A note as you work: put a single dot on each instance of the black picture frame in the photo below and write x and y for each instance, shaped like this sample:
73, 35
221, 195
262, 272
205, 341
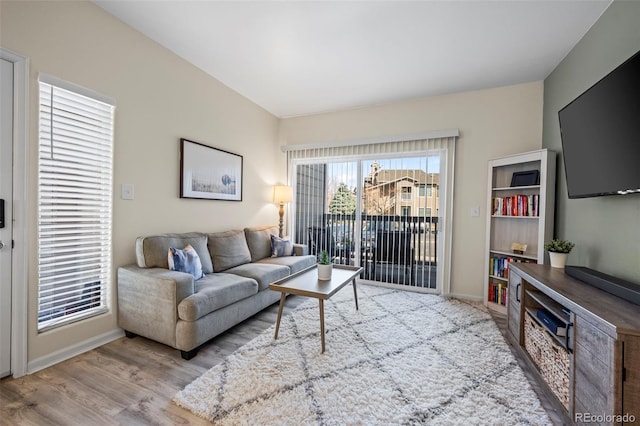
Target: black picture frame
209, 173
526, 178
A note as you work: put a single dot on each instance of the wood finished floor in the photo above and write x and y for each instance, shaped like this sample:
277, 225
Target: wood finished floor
132, 381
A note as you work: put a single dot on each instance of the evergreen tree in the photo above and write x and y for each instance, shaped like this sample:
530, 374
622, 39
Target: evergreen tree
343, 201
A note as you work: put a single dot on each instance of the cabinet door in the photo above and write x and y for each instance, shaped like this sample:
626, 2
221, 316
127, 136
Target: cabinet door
631, 375
515, 297
594, 369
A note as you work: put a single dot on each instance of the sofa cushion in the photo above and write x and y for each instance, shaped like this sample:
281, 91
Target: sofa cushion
151, 252
295, 263
213, 292
228, 249
259, 241
263, 273
185, 260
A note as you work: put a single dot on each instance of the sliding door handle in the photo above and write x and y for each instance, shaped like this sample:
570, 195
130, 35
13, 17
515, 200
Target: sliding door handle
1, 214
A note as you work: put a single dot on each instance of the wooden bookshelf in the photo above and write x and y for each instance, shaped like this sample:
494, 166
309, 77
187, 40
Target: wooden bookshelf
516, 214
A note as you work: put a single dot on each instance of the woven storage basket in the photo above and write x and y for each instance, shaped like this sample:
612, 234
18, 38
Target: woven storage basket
550, 357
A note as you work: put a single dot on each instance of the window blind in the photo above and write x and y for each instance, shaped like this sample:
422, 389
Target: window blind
75, 170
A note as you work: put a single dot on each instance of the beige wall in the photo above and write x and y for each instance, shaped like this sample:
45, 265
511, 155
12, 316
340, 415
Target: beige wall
160, 98
606, 230
492, 123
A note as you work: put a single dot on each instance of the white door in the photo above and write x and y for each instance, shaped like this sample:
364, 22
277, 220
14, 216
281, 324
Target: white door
6, 209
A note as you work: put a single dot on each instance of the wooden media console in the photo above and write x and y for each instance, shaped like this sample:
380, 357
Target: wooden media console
583, 342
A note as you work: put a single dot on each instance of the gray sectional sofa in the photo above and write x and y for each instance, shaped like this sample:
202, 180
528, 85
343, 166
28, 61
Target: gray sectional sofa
176, 309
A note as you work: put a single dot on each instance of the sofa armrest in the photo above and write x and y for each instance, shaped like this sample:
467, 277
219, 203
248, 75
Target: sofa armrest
148, 301
300, 250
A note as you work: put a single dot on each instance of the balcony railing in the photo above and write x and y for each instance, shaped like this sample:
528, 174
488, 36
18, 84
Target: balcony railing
393, 249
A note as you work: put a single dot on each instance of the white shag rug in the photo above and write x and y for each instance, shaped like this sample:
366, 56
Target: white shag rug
403, 358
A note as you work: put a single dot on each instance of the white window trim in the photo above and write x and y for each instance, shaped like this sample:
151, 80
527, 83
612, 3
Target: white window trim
54, 81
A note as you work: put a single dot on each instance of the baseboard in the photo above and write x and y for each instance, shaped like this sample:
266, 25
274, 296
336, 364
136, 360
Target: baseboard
74, 350
399, 287
465, 297
421, 290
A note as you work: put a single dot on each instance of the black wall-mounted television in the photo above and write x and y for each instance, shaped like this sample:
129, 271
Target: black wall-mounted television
600, 133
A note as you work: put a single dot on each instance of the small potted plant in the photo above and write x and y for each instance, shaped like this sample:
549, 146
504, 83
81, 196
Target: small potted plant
324, 266
558, 251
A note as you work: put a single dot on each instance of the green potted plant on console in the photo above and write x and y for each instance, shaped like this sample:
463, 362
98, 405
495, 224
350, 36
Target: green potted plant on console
558, 251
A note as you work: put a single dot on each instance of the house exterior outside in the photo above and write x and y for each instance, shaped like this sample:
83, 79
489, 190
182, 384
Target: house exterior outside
401, 192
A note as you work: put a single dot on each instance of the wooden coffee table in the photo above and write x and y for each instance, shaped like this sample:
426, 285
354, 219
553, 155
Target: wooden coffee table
306, 283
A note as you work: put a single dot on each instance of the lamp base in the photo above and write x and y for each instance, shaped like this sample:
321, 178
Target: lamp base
281, 223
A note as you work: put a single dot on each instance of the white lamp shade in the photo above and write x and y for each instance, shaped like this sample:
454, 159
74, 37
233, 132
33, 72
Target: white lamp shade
282, 194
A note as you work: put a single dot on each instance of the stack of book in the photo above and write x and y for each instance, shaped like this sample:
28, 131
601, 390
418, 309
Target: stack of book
497, 293
516, 205
499, 265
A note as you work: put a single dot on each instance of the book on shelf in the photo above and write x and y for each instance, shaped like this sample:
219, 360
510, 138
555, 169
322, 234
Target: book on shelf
516, 205
497, 293
499, 265
552, 323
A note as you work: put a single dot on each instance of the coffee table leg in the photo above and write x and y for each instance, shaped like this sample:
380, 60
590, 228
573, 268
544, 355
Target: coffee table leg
282, 298
322, 323
355, 293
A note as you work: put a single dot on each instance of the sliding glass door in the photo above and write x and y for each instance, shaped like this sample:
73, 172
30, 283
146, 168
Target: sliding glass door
380, 212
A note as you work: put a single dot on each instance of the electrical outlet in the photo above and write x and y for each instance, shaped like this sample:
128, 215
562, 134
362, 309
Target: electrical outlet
475, 211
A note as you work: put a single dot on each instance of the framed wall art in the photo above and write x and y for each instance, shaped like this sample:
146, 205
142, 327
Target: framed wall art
209, 173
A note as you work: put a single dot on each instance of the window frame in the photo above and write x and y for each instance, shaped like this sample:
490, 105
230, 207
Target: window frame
75, 202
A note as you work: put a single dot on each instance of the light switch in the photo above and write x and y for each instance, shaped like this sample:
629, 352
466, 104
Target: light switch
127, 191
475, 211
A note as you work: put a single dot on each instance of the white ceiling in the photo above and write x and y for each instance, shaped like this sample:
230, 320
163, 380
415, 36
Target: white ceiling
304, 57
